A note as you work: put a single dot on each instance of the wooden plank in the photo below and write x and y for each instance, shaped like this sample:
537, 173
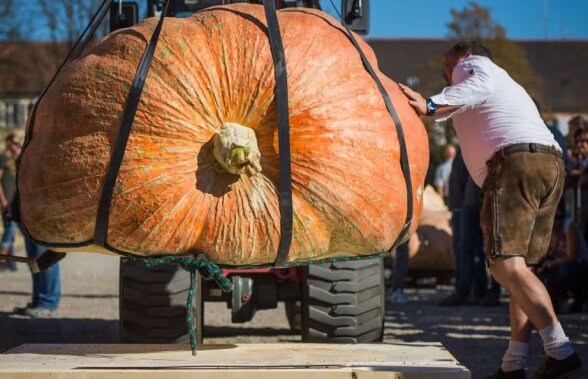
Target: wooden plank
243, 361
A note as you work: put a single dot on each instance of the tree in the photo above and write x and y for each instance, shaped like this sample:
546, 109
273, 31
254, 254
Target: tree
65, 20
60, 22
10, 31
10, 25
475, 22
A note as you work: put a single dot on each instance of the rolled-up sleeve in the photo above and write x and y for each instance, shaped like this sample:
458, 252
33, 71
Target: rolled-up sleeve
472, 84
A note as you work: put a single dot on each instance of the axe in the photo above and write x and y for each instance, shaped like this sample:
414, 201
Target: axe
39, 264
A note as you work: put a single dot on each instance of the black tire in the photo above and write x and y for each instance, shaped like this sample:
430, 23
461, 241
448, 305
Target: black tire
152, 303
343, 302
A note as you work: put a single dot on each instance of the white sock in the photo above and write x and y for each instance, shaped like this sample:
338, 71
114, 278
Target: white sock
515, 357
555, 342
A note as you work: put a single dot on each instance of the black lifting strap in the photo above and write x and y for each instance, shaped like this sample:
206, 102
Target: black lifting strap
74, 53
131, 105
399, 132
281, 96
401, 143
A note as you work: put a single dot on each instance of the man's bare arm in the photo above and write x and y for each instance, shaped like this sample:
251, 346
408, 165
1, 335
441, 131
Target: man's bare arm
418, 102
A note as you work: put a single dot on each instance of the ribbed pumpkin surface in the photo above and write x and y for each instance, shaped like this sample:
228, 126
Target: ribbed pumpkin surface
171, 196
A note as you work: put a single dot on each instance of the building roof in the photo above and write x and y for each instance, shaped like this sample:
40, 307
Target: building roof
26, 67
562, 66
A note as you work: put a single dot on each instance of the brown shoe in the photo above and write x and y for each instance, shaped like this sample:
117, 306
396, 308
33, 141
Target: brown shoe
516, 374
558, 368
4, 250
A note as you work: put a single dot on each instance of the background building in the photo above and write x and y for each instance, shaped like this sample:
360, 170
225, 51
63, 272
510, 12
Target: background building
27, 67
25, 70
560, 66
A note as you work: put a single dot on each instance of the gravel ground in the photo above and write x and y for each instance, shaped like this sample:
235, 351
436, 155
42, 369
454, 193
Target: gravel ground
88, 313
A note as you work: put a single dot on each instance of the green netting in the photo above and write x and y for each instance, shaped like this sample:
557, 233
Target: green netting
211, 271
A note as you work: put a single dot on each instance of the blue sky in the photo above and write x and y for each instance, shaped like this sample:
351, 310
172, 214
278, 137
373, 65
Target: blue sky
522, 19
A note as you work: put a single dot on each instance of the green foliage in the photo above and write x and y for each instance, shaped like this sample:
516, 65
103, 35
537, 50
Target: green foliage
475, 22
512, 57
10, 21
439, 136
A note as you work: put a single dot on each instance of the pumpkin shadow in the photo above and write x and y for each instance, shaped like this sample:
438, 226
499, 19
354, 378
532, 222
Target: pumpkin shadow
210, 178
246, 16
104, 48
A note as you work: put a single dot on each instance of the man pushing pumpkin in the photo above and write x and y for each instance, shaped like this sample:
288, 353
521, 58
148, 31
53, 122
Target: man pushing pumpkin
511, 154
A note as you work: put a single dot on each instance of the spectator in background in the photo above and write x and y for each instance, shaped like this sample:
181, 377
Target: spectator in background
579, 158
443, 172
46, 284
561, 141
457, 183
7, 187
473, 265
471, 279
581, 223
576, 123
560, 271
399, 272
559, 138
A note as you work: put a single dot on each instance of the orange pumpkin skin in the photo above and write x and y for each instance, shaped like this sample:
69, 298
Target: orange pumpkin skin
349, 195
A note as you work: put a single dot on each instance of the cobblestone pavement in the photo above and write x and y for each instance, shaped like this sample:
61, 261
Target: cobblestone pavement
88, 313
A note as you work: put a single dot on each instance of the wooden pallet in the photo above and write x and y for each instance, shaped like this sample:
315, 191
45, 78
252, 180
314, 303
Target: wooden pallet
243, 361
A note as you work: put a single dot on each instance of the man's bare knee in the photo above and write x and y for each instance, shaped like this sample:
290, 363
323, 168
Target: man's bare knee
499, 275
507, 269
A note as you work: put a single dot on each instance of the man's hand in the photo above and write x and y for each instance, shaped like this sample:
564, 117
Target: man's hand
415, 99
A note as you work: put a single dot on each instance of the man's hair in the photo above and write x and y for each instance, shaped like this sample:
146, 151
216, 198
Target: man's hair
472, 47
448, 151
578, 121
10, 137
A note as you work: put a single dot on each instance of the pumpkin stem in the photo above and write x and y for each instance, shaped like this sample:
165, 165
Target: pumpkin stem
235, 149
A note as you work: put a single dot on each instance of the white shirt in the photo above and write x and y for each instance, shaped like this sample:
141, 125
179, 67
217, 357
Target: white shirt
495, 112
442, 174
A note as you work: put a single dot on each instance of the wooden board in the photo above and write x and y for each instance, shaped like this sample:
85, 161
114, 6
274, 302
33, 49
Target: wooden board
243, 361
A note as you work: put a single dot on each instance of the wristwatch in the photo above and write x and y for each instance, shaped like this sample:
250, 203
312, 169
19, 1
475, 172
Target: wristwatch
431, 107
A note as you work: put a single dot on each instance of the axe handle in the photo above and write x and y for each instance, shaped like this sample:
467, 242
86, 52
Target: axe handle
13, 258
41, 263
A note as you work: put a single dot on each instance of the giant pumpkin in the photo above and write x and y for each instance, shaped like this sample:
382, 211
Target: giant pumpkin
200, 172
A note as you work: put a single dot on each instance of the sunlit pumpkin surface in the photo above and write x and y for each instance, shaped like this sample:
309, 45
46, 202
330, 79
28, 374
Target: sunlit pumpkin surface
172, 195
